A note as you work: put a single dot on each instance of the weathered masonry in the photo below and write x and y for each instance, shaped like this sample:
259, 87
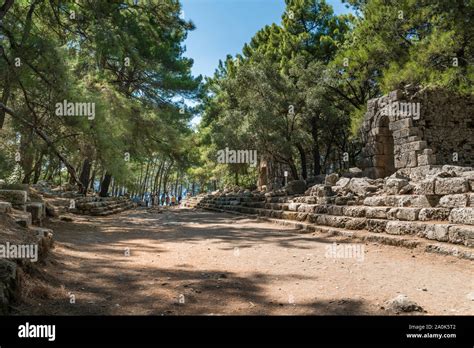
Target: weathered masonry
414, 129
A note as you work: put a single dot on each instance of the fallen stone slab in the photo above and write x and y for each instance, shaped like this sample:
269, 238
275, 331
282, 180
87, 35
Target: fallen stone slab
361, 186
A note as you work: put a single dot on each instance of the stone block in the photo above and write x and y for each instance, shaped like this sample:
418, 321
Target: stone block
447, 186
354, 211
461, 235
361, 186
37, 210
406, 132
17, 198
355, 224
405, 227
414, 201
376, 225
376, 212
301, 216
331, 179
425, 187
462, 216
401, 124
343, 182
413, 146
335, 210
296, 187
341, 200
427, 214
393, 185
405, 214
454, 201
5, 207
375, 201
437, 232
424, 160
293, 206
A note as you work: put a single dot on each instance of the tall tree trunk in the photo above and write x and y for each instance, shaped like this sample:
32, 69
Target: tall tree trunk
143, 189
85, 175
104, 186
161, 179
315, 146
294, 171
176, 184
304, 172
92, 180
156, 186
38, 167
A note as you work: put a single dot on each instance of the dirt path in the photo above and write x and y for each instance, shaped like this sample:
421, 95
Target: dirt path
198, 262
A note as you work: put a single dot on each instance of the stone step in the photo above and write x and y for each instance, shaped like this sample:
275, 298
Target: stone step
439, 230
407, 241
103, 208
410, 214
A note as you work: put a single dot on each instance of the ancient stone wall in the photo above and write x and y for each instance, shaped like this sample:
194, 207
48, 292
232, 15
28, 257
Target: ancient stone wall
407, 129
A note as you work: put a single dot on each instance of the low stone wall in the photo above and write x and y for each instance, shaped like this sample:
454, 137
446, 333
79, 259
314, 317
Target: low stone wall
440, 207
21, 216
101, 206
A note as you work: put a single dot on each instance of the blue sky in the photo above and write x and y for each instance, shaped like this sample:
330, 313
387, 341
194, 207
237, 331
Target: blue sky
224, 26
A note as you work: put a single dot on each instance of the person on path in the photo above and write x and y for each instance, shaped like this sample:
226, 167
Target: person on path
162, 199
173, 200
167, 200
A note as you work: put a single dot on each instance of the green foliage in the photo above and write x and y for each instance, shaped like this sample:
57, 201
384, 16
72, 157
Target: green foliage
124, 58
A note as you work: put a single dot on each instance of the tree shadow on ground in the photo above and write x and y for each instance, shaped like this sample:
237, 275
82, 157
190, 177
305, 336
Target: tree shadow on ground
116, 289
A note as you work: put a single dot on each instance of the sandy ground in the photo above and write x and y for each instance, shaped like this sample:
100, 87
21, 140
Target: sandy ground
186, 261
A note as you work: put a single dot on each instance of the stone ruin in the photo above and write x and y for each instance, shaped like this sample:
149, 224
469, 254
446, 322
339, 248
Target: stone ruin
408, 129
409, 193
23, 210
22, 213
